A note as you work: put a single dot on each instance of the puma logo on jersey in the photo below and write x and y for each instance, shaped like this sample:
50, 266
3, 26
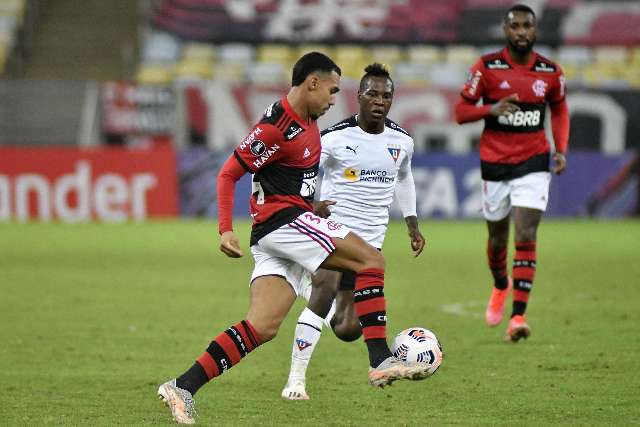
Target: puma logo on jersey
521, 118
352, 149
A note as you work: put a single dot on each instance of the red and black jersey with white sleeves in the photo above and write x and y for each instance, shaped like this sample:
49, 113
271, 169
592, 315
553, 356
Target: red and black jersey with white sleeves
283, 153
514, 145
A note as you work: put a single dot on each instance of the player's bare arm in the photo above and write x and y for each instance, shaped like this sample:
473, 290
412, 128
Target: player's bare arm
418, 241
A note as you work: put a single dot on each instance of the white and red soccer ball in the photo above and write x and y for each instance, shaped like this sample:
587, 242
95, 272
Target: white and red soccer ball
418, 345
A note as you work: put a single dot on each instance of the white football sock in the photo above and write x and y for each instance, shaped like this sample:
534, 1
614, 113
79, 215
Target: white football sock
332, 311
307, 335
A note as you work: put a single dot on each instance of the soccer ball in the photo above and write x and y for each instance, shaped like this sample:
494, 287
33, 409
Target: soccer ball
418, 345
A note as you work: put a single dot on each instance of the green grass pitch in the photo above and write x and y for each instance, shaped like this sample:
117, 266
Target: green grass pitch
94, 317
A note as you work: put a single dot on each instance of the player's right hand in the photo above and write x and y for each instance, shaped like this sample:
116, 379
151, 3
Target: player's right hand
321, 208
505, 106
229, 245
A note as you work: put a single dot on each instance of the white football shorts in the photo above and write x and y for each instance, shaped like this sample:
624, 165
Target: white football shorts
529, 191
296, 250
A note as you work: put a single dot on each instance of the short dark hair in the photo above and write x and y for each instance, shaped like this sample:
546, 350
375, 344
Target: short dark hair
518, 8
375, 70
312, 62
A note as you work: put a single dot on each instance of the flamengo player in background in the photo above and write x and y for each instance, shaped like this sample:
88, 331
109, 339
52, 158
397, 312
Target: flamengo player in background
365, 158
288, 241
515, 85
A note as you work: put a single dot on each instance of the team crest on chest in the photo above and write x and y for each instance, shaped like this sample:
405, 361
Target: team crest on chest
539, 87
394, 150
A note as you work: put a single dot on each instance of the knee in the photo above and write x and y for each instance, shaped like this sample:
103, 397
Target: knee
373, 258
498, 239
266, 330
527, 234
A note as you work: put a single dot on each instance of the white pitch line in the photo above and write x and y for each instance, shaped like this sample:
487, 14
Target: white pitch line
465, 309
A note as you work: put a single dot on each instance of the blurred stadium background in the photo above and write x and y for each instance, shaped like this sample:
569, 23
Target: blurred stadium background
124, 110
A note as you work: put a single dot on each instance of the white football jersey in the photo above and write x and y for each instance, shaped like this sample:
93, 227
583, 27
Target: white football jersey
360, 174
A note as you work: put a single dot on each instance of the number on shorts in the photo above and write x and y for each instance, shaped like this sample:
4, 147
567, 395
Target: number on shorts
311, 217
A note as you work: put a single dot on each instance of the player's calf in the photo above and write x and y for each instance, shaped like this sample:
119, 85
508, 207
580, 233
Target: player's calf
346, 329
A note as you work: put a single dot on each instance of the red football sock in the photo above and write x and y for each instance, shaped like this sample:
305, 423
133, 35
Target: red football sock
524, 270
224, 352
370, 304
370, 307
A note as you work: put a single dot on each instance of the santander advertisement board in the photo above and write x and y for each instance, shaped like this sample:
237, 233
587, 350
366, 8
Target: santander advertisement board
78, 185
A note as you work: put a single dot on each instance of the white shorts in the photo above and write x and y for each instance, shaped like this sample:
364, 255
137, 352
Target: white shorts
296, 250
529, 191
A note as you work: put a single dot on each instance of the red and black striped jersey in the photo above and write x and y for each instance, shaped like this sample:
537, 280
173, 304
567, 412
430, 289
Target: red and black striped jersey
282, 152
519, 138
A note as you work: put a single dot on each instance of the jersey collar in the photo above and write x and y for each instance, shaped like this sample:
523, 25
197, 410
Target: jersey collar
528, 65
290, 111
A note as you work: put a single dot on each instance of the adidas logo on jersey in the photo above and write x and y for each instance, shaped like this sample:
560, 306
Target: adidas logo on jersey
307, 153
505, 85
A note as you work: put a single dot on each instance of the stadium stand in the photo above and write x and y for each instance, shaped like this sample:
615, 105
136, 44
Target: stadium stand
431, 42
352, 59
197, 62
427, 44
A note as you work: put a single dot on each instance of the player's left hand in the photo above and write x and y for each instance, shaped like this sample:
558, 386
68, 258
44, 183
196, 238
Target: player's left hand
230, 245
559, 163
417, 242
321, 208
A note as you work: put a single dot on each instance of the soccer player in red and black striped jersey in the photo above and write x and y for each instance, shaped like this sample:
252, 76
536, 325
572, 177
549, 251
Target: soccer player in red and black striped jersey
515, 84
288, 241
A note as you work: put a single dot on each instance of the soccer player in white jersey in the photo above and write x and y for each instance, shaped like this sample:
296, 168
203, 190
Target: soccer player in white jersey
366, 159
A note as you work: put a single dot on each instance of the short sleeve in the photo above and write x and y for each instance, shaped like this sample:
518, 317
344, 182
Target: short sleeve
261, 147
474, 86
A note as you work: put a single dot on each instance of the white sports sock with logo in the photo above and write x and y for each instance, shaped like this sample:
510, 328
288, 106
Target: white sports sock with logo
307, 335
332, 311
